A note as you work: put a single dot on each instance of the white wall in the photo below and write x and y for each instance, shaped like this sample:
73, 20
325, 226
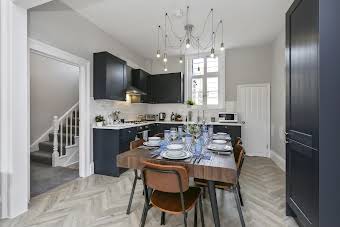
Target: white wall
56, 24
54, 90
278, 94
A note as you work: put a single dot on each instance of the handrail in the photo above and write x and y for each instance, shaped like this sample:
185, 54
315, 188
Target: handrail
70, 121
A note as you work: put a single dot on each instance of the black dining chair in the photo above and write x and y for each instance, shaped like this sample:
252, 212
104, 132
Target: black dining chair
133, 145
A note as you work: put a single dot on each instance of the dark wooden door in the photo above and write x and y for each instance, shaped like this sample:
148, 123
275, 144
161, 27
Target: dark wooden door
302, 111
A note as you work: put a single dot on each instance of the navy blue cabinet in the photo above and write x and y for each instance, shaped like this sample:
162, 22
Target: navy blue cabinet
140, 80
109, 77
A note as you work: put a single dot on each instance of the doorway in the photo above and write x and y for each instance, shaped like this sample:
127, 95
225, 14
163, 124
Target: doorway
253, 103
62, 128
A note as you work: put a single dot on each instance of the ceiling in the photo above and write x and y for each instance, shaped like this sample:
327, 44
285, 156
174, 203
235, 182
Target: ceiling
134, 22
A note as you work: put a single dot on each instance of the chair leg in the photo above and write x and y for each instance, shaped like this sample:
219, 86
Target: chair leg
185, 219
147, 191
195, 220
132, 192
201, 210
238, 204
204, 192
239, 193
163, 218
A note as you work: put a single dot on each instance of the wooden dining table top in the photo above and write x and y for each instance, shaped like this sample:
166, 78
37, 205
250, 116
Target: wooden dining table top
219, 168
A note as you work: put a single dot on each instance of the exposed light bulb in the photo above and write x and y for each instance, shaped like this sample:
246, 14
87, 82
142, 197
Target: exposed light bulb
187, 43
222, 46
158, 55
180, 60
165, 58
165, 69
212, 53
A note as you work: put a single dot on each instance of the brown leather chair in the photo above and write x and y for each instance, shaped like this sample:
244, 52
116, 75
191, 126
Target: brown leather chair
166, 187
238, 141
159, 135
239, 155
133, 145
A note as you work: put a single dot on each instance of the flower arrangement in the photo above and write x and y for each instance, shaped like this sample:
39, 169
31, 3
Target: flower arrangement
190, 102
193, 129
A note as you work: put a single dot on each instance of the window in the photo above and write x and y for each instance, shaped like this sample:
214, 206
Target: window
205, 82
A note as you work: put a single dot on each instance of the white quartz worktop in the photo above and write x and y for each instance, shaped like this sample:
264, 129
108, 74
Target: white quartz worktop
124, 126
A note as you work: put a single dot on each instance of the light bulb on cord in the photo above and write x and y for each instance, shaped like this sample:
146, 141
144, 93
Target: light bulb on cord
165, 58
165, 68
180, 60
187, 43
212, 53
158, 55
222, 46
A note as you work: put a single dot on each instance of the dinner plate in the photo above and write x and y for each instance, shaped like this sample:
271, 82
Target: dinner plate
174, 147
148, 144
167, 154
219, 141
219, 148
221, 137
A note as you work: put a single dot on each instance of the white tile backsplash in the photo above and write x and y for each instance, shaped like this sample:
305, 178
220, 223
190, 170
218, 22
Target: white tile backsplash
129, 111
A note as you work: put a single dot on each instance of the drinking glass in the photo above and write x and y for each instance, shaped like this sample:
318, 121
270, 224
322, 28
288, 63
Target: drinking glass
211, 131
188, 142
167, 135
180, 131
205, 137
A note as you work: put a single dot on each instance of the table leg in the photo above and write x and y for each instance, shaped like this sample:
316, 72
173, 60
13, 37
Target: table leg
213, 201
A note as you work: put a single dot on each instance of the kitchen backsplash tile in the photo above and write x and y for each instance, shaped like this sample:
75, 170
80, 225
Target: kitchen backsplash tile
129, 111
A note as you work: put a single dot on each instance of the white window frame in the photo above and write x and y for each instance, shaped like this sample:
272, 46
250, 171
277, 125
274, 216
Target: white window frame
221, 80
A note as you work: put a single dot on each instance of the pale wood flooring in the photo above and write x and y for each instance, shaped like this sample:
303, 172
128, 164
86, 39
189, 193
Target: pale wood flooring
102, 201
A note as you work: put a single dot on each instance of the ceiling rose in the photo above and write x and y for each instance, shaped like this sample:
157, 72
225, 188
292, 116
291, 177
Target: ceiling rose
189, 39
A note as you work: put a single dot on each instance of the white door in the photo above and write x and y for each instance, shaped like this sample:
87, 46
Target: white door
253, 103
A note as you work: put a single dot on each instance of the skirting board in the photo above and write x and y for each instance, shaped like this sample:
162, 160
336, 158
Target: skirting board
278, 160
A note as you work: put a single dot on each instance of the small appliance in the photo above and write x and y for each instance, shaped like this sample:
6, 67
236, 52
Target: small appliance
227, 117
162, 116
150, 117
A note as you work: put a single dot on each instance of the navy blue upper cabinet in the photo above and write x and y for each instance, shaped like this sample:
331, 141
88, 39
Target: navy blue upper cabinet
109, 77
166, 88
140, 81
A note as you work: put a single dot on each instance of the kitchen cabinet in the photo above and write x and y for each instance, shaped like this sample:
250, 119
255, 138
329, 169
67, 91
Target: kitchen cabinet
140, 80
312, 112
107, 144
109, 77
166, 88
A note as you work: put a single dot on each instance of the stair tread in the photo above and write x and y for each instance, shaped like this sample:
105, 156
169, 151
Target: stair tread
41, 153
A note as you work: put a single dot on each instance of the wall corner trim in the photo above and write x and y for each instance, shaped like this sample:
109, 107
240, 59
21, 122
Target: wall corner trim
278, 160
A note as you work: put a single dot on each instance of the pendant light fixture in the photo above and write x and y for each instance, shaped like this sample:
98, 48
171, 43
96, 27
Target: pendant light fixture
190, 39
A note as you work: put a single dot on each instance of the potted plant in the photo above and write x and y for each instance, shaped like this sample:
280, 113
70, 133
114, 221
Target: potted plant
99, 120
190, 103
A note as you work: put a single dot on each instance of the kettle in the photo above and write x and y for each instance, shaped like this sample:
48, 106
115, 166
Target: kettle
162, 116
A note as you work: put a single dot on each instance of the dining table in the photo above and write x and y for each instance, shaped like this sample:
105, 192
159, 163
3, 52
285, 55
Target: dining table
212, 166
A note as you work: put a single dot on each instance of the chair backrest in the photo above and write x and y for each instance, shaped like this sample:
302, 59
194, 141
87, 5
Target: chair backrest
136, 143
159, 135
239, 155
238, 141
165, 178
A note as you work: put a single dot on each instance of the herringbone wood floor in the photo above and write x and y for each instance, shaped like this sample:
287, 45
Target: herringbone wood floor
102, 201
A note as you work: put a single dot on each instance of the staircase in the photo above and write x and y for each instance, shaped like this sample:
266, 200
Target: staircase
61, 147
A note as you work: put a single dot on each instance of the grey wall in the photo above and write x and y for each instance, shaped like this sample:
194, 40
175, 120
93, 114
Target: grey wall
54, 90
56, 24
278, 94
247, 65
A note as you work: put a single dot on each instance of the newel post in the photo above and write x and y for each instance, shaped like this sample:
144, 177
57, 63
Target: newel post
55, 154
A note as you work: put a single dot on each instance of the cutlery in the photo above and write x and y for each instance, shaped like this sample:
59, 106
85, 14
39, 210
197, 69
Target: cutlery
199, 160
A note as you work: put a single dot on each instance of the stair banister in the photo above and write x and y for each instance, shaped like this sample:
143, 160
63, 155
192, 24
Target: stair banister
55, 153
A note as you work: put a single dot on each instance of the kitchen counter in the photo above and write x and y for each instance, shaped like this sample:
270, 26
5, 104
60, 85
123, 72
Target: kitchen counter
124, 126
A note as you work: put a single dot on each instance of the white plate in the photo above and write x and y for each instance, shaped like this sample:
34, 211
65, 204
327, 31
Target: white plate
166, 155
176, 153
221, 137
174, 147
219, 141
218, 148
154, 138
148, 144
222, 133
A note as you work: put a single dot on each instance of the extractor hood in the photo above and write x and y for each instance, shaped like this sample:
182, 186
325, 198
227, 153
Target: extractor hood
131, 90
